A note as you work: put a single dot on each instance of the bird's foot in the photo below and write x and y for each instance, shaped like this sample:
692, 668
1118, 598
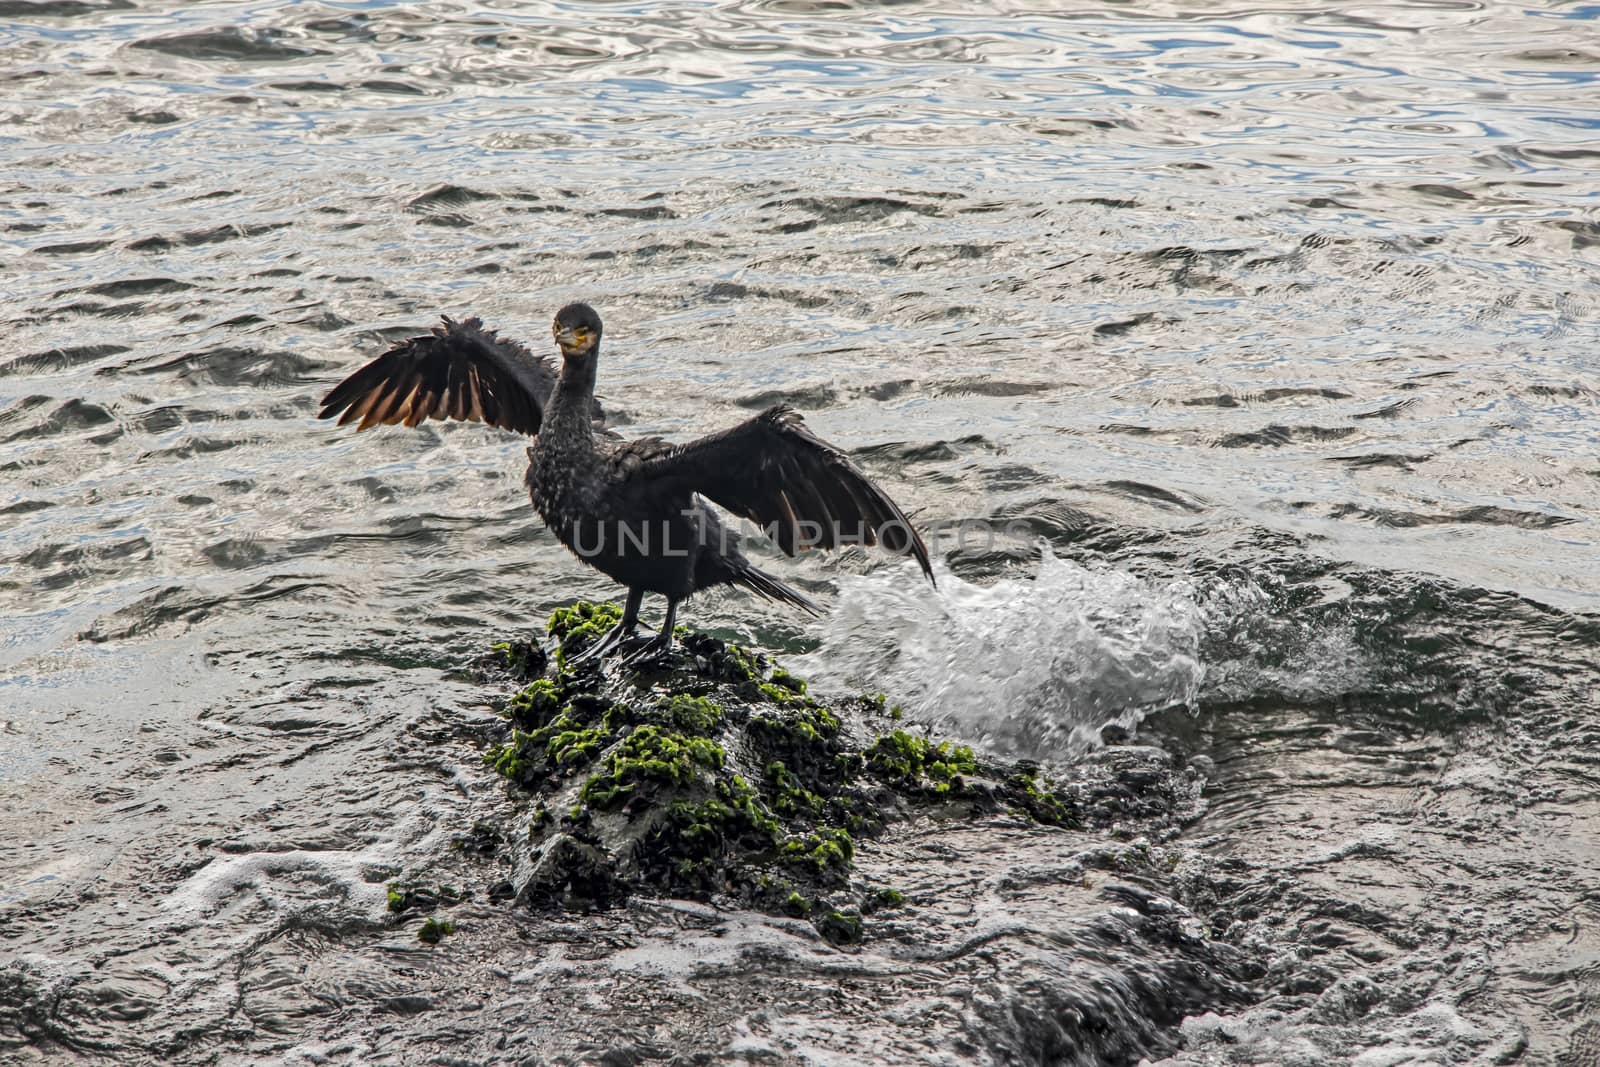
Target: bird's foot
610, 640
656, 649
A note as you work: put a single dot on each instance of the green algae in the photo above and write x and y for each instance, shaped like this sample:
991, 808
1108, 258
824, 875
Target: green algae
887, 898
583, 619
418, 896
840, 927
575, 747
825, 853
551, 734
724, 662
811, 772
1040, 803
535, 704
878, 704
697, 841
581, 625
695, 714
558, 747
778, 694
917, 764
435, 930
793, 683
803, 725
650, 754
516, 656
788, 796
520, 659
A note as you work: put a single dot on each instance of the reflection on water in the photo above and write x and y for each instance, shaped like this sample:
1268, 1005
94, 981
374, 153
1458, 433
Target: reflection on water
1276, 324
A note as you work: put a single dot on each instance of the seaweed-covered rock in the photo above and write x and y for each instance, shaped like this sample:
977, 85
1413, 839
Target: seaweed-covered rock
717, 774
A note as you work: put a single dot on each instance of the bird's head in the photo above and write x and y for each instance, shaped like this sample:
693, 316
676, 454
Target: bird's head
577, 330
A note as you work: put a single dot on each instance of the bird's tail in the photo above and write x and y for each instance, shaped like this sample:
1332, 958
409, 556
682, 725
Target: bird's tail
761, 582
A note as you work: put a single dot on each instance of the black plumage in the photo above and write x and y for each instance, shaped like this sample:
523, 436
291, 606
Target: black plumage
459, 370
633, 509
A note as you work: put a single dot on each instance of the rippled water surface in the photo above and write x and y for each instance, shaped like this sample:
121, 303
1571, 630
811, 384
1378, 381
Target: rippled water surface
1266, 336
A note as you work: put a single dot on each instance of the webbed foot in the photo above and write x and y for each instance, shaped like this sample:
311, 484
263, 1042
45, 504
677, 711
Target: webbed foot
657, 648
609, 641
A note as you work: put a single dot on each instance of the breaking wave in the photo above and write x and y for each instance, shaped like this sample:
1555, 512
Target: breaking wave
1042, 666
1027, 666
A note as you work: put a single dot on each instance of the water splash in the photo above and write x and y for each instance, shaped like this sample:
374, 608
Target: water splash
1266, 642
1028, 667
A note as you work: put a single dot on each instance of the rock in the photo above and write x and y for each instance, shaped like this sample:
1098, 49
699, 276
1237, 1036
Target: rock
716, 774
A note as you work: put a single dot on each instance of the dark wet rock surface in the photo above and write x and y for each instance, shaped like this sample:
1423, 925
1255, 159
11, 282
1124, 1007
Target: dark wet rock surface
712, 774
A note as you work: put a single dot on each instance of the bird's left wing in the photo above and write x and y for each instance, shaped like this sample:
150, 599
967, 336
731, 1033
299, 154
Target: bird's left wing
775, 472
458, 371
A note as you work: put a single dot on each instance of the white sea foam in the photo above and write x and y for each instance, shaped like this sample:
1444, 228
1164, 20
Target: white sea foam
282, 881
334, 882
1039, 666
1027, 666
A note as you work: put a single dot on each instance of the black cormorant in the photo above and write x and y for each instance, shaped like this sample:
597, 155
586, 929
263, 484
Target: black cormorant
632, 509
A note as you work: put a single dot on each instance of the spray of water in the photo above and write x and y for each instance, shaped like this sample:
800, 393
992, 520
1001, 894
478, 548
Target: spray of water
1030, 667
1039, 667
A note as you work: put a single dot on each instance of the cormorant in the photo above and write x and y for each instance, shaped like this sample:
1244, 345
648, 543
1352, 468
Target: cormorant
632, 509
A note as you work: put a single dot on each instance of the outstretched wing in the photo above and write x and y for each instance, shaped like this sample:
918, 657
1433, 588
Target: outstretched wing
804, 492
458, 371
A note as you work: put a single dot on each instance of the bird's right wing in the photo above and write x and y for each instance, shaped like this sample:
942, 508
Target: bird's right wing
458, 371
775, 472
